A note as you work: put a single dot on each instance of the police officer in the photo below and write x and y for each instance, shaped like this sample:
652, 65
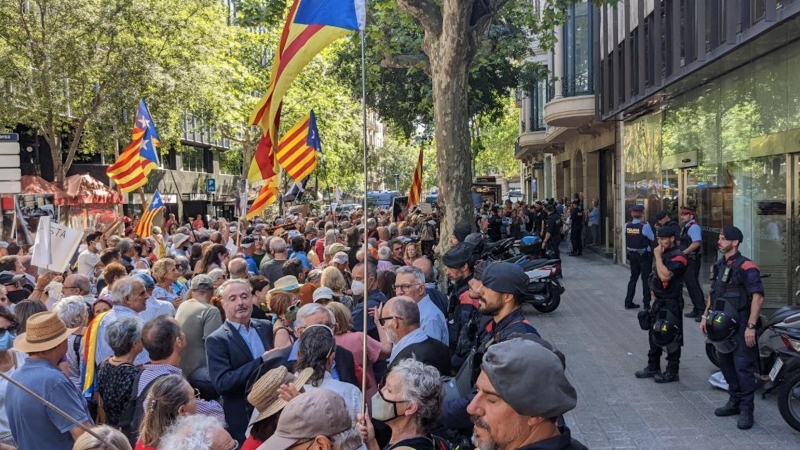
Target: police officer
576, 223
495, 224
459, 266
501, 287
552, 231
737, 281
690, 242
663, 219
666, 286
638, 238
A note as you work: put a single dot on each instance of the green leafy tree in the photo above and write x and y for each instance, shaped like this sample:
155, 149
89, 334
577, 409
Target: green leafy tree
72, 68
434, 66
493, 142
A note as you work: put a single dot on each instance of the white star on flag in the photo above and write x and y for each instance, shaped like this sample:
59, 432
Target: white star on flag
144, 122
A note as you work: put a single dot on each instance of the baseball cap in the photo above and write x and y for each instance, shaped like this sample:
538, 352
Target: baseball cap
3, 244
7, 277
340, 258
202, 283
506, 278
149, 282
247, 241
544, 392
336, 248
320, 412
323, 293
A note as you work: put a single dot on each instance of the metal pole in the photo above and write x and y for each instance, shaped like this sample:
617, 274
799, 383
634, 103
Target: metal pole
366, 244
54, 408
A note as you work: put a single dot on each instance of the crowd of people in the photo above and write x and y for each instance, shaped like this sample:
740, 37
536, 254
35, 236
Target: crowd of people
218, 335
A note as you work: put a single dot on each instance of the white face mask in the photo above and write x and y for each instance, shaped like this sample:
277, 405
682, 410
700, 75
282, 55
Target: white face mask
98, 246
357, 287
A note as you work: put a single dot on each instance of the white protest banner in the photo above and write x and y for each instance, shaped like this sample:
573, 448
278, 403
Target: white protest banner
54, 250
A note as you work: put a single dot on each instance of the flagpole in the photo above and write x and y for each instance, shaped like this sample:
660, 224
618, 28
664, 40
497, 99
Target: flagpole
366, 244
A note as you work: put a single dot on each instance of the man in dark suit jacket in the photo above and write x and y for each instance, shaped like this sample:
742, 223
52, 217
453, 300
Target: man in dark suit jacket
315, 314
401, 324
236, 352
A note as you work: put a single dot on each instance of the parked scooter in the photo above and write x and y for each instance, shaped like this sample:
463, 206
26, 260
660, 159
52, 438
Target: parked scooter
545, 285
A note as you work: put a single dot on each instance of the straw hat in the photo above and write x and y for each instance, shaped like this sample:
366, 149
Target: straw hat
287, 283
264, 393
44, 332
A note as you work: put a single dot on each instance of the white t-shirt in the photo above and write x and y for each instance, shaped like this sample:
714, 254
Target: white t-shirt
87, 262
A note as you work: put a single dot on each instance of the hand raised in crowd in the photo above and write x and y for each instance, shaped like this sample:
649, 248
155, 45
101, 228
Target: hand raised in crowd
287, 392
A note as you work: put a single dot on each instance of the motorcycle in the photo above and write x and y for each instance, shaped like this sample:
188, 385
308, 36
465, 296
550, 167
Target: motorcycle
545, 284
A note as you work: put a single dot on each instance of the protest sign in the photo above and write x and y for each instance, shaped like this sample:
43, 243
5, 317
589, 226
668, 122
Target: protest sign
55, 245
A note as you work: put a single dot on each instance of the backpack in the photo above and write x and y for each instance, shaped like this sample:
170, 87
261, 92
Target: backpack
133, 412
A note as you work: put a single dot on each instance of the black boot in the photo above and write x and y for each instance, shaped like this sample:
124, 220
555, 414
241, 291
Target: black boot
730, 409
691, 315
745, 420
667, 377
647, 372
631, 306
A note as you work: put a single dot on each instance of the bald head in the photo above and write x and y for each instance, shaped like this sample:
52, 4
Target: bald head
237, 268
425, 265
405, 313
78, 284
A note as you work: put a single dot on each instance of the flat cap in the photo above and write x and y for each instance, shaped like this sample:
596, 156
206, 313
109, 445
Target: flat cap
7, 277
480, 267
732, 234
458, 255
461, 230
637, 208
543, 392
661, 214
506, 278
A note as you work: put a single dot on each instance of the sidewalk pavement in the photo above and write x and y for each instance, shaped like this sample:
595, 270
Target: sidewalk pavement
604, 346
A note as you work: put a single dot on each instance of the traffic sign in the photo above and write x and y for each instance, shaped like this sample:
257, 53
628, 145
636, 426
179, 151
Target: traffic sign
9, 137
211, 185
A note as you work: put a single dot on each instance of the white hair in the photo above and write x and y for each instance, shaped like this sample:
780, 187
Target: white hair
192, 432
123, 288
347, 440
216, 274
71, 310
312, 309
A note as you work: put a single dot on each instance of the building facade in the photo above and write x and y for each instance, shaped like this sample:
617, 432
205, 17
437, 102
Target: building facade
705, 93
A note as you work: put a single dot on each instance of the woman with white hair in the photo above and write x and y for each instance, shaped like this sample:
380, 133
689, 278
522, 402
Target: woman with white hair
74, 313
410, 403
384, 256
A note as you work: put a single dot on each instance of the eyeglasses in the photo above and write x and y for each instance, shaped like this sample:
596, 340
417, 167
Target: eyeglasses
70, 287
404, 287
383, 320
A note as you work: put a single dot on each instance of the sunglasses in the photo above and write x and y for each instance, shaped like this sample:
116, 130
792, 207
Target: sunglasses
383, 320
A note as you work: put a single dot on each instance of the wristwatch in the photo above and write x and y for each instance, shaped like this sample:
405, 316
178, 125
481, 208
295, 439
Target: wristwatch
751, 326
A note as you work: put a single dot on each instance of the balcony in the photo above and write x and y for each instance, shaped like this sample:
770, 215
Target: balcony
575, 106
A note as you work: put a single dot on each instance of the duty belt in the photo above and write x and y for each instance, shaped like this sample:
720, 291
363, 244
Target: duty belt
637, 250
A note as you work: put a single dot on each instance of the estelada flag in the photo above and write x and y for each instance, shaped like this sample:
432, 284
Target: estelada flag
297, 152
140, 157
145, 226
416, 183
310, 27
269, 192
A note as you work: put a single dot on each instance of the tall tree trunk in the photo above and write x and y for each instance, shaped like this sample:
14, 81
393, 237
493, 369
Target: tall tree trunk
450, 57
59, 174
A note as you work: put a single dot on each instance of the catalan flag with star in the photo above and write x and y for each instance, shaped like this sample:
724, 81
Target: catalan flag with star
140, 157
297, 152
145, 226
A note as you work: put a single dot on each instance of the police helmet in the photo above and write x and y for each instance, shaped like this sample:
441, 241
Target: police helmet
721, 329
666, 331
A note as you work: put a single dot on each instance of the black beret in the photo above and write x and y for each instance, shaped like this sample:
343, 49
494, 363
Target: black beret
661, 214
457, 256
667, 231
637, 208
506, 278
732, 234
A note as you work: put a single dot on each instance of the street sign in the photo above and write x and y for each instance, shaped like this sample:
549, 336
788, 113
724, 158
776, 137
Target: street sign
9, 137
538, 166
10, 187
211, 185
10, 161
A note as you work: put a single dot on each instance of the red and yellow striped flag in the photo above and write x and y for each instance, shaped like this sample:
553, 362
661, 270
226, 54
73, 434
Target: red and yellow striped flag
415, 191
297, 152
269, 192
145, 226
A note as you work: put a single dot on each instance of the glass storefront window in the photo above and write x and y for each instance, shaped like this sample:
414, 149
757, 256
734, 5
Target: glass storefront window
538, 99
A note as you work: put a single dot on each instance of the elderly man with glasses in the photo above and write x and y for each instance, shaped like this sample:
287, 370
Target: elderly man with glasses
410, 282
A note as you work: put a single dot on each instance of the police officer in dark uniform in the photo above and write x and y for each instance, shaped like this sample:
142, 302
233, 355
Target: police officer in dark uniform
495, 224
666, 286
576, 224
690, 241
501, 287
458, 263
552, 231
737, 282
638, 238
663, 219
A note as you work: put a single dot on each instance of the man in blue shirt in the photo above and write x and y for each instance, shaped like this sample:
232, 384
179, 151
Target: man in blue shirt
638, 239
690, 241
33, 424
410, 282
246, 249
